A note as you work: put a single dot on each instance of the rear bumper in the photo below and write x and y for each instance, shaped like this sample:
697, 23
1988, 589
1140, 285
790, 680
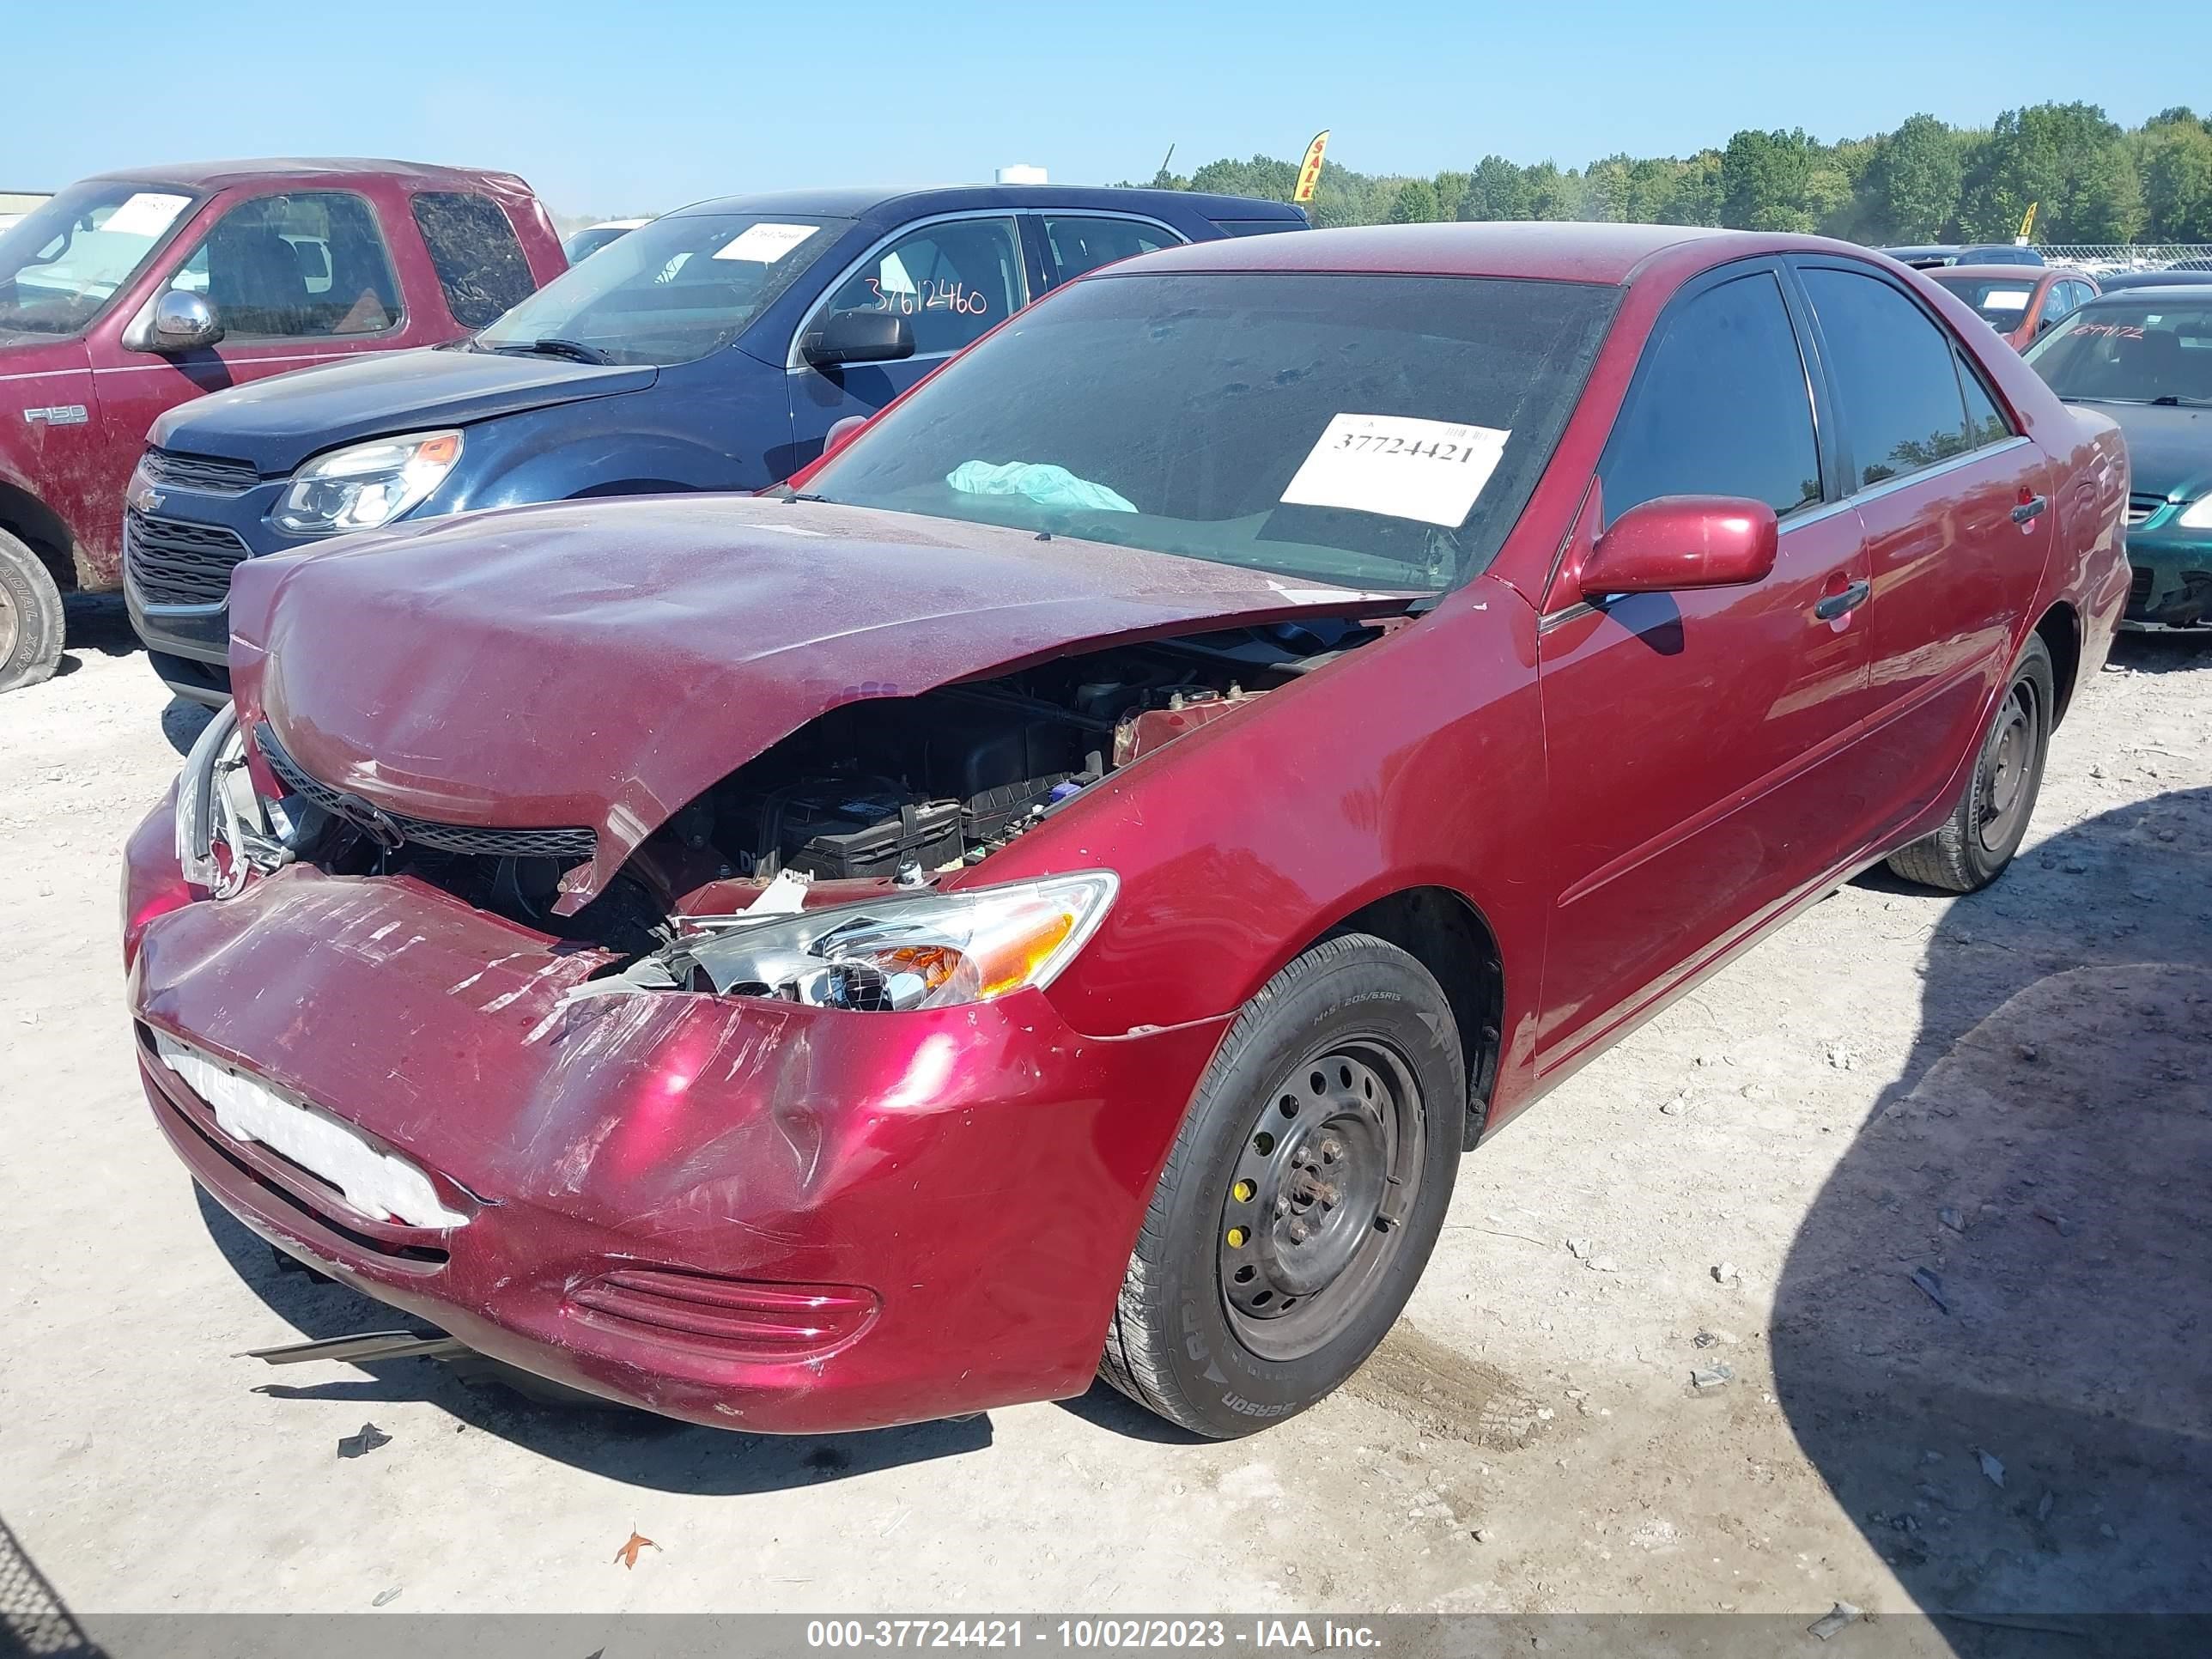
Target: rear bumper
977, 1173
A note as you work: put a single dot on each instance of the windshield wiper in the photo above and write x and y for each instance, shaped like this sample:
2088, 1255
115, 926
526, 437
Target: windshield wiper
574, 350
2175, 400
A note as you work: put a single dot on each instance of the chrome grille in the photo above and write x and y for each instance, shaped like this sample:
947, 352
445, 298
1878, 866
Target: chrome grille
567, 845
171, 561
2141, 508
211, 475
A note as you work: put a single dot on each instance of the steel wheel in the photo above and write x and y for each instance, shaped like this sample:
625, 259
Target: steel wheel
2007, 762
1330, 1170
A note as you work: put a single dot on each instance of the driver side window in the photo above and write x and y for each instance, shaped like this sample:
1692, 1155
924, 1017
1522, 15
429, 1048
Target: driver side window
308, 265
957, 281
1721, 408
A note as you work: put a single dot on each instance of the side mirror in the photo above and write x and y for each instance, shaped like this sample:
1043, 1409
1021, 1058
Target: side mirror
181, 321
1677, 541
858, 337
843, 433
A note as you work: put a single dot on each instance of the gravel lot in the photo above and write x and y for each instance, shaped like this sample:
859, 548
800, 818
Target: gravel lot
2010, 1093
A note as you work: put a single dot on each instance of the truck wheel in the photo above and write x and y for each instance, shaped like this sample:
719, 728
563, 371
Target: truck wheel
1973, 848
30, 618
1301, 1197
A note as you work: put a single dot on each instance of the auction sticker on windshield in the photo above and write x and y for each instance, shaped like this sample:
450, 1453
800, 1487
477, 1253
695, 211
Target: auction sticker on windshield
147, 213
1398, 465
764, 244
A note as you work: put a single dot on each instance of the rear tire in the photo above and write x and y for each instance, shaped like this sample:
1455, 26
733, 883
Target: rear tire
1984, 830
30, 618
1301, 1197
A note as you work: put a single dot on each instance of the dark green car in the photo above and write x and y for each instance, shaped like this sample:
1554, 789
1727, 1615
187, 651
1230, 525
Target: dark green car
2144, 357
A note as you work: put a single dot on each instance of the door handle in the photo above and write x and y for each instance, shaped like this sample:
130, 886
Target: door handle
1833, 605
2029, 510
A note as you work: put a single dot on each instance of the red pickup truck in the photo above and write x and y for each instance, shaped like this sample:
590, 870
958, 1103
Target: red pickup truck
130, 293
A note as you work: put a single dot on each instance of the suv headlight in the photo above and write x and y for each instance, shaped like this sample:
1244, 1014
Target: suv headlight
365, 485
931, 950
2199, 515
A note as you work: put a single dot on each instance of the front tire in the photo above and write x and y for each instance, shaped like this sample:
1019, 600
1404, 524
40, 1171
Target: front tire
1983, 833
30, 618
1301, 1198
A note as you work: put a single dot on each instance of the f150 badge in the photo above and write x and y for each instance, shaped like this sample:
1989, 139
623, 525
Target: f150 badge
59, 415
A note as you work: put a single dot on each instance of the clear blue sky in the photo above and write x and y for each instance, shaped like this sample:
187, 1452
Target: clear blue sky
613, 106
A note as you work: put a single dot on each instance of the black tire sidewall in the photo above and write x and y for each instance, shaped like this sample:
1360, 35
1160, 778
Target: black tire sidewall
37, 605
2034, 667
1376, 991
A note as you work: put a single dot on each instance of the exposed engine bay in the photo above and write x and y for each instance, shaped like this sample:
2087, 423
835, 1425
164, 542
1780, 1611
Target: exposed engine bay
887, 790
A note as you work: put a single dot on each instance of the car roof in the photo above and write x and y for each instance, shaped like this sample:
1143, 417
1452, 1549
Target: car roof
2200, 290
854, 202
2168, 278
1571, 251
217, 176
2011, 272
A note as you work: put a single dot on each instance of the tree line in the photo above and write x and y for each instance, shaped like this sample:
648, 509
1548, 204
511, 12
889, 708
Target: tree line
2092, 180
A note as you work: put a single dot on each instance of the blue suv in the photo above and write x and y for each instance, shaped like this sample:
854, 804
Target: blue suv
714, 348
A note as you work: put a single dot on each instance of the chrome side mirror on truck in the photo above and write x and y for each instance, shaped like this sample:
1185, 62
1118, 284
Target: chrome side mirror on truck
177, 321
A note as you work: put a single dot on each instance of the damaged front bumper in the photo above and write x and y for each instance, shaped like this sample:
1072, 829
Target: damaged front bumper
2171, 589
740, 1211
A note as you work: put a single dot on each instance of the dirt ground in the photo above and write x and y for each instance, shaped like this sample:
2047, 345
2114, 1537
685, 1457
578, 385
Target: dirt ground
2009, 1096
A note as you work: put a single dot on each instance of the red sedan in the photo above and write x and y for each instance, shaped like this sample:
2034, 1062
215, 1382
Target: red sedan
1058, 887
2021, 302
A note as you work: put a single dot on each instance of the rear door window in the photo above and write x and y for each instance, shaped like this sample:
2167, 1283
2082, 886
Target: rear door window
1081, 242
1894, 371
479, 260
1721, 407
302, 265
958, 280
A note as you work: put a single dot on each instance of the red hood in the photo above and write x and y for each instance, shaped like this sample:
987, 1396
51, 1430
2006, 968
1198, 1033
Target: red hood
603, 662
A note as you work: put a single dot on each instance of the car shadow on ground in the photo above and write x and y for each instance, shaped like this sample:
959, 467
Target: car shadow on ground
182, 721
634, 1447
1993, 1333
94, 622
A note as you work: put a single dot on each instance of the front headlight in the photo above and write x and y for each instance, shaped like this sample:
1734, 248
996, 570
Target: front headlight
2199, 515
365, 485
223, 828
931, 951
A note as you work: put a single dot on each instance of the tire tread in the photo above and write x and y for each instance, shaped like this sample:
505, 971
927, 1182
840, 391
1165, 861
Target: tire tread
1134, 1361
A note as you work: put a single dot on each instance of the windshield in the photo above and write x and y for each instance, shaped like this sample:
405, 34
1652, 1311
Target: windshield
2148, 352
669, 291
1366, 430
2001, 302
64, 260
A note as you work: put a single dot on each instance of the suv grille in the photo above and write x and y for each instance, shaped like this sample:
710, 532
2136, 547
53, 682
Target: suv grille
173, 563
209, 474
2141, 508
563, 845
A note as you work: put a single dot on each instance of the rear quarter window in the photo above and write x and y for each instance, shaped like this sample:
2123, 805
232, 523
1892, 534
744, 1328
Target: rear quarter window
479, 261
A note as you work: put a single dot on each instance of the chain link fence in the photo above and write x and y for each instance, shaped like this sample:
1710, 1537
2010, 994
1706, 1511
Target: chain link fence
2108, 259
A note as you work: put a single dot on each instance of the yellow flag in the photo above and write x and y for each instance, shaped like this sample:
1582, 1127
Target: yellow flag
1310, 169
2027, 224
